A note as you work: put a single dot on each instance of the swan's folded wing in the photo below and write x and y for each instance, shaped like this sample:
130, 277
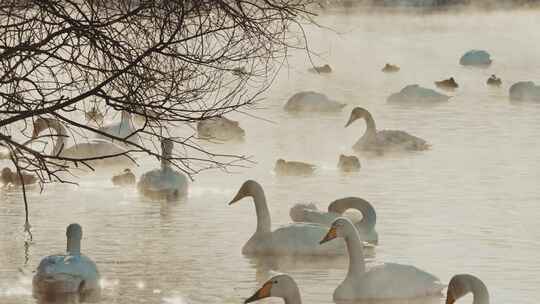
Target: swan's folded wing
303, 239
393, 281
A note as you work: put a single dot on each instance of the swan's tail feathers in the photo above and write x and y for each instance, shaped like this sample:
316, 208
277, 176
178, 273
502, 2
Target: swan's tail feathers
297, 212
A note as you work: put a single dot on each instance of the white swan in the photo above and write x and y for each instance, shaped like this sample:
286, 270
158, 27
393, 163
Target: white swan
92, 148
123, 129
366, 226
462, 284
309, 101
478, 58
292, 239
220, 128
281, 286
69, 273
384, 140
385, 281
415, 94
164, 183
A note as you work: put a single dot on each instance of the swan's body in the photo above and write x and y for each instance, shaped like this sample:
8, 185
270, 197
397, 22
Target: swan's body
384, 281
390, 68
69, 273
525, 91
9, 177
323, 69
310, 101
494, 81
462, 284
349, 163
123, 129
92, 148
164, 183
366, 227
475, 58
220, 128
447, 84
125, 178
293, 168
415, 94
280, 286
385, 140
293, 239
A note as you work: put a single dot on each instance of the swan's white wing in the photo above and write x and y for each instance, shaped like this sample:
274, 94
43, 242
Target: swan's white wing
303, 239
395, 281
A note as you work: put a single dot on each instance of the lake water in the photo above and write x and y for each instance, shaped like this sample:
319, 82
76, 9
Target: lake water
470, 204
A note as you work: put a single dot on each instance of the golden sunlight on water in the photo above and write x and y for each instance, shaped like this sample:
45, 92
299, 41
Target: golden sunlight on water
470, 204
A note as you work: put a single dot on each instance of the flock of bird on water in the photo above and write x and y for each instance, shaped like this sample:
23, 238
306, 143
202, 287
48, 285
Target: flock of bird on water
313, 230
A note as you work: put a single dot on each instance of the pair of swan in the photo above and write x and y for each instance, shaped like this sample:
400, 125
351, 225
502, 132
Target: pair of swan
165, 182
384, 140
220, 128
283, 286
125, 178
69, 273
92, 148
9, 177
348, 163
366, 226
293, 168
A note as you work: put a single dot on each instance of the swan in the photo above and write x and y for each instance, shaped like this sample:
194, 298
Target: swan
494, 81
525, 91
462, 284
69, 273
310, 101
284, 167
124, 179
476, 58
447, 84
164, 183
123, 129
366, 226
384, 281
9, 177
281, 286
348, 163
415, 94
220, 128
323, 69
92, 148
291, 240
385, 140
390, 68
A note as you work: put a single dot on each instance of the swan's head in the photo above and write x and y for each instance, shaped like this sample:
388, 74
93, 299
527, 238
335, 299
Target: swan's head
281, 286
356, 113
248, 188
339, 229
74, 232
40, 124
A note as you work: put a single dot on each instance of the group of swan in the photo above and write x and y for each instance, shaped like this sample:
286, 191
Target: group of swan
283, 286
67, 273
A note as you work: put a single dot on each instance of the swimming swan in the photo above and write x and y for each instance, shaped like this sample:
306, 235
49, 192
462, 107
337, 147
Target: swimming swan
366, 226
281, 286
292, 239
462, 284
293, 168
69, 273
385, 281
92, 148
385, 140
220, 128
164, 183
123, 129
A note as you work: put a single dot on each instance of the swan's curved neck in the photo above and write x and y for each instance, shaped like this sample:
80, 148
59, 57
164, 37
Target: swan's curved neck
165, 159
371, 128
60, 139
293, 297
369, 217
74, 245
479, 290
264, 221
356, 253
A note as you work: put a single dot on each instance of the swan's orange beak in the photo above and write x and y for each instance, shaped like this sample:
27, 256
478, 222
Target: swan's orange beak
332, 234
262, 293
